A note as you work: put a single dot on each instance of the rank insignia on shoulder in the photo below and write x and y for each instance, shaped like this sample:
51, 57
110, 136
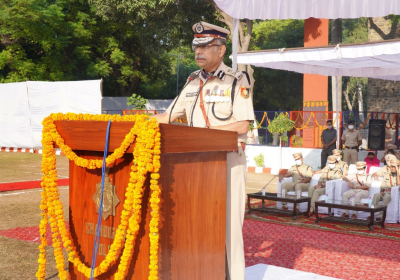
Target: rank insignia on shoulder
245, 92
221, 74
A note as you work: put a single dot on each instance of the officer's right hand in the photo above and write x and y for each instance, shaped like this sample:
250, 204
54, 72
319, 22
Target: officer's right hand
280, 178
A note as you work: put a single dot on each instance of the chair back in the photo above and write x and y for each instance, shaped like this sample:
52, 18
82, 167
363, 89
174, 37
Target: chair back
373, 169
352, 169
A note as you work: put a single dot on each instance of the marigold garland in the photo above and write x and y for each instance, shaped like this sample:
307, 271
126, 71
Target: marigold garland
146, 153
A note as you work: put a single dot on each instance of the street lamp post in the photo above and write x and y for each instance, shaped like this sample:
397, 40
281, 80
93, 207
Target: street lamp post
177, 73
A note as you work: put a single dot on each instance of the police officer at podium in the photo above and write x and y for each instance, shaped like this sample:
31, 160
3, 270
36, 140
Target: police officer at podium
218, 97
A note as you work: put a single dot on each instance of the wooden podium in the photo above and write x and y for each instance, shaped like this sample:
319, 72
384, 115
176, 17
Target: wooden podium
192, 207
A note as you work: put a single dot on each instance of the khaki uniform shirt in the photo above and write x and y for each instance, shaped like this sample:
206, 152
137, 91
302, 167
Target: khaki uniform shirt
216, 93
351, 138
344, 167
330, 174
357, 179
388, 180
305, 172
382, 171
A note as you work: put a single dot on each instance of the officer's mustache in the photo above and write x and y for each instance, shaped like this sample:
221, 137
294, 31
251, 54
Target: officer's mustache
199, 56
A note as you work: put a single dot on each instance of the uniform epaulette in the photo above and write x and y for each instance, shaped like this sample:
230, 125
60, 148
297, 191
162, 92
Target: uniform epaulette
235, 73
247, 76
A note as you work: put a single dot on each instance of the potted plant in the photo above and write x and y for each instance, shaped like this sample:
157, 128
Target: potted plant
280, 124
259, 160
250, 134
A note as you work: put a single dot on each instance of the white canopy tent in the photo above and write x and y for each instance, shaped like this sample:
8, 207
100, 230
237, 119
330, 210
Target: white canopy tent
380, 60
302, 9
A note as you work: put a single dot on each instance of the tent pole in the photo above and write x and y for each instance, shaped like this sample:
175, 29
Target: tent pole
235, 39
337, 114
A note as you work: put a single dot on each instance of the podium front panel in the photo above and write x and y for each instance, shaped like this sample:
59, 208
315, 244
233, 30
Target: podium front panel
192, 209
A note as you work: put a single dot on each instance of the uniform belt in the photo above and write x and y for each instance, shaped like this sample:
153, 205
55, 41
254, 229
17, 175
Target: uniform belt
351, 147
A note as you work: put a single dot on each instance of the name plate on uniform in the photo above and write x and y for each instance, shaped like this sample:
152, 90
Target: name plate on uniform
191, 94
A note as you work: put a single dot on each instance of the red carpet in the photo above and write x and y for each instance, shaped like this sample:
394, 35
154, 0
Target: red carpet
14, 186
326, 253
30, 234
391, 231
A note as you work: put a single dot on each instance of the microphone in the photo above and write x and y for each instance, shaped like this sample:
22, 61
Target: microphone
191, 78
209, 77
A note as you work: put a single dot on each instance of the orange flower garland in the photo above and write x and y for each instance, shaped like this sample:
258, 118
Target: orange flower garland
146, 159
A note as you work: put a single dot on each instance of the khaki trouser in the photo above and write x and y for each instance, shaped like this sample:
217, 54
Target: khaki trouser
315, 194
358, 194
288, 187
350, 156
385, 197
235, 207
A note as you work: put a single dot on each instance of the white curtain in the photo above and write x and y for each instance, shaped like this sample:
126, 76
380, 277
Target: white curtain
23, 106
15, 128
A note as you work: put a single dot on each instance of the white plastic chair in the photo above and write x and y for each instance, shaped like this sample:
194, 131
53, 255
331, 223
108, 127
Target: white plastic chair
302, 206
352, 169
392, 212
373, 169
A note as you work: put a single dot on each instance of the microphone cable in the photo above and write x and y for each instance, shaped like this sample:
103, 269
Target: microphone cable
209, 77
191, 78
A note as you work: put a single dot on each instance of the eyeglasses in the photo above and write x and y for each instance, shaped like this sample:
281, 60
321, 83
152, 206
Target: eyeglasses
204, 48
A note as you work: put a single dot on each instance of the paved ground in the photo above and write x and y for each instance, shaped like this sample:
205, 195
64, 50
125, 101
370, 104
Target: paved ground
256, 181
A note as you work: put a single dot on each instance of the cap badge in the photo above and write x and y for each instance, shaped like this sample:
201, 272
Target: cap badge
199, 27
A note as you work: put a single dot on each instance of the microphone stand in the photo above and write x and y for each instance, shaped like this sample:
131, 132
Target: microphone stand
191, 78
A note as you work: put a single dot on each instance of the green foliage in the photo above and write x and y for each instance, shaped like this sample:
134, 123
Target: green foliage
166, 88
277, 89
251, 126
281, 124
122, 42
350, 88
296, 141
355, 30
137, 101
259, 160
109, 9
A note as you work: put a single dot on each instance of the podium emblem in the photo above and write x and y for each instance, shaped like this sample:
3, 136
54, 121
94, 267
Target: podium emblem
110, 198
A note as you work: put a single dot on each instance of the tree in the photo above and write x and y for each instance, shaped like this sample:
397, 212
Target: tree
277, 89
280, 125
137, 101
245, 34
122, 41
159, 27
354, 31
336, 38
351, 92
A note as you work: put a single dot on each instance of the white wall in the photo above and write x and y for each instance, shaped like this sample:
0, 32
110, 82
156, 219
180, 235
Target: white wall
120, 103
271, 156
